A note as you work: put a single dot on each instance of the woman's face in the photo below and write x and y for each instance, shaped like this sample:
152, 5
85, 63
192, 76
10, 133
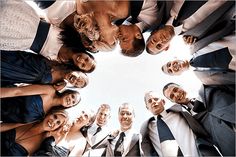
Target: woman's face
70, 100
54, 121
77, 79
84, 62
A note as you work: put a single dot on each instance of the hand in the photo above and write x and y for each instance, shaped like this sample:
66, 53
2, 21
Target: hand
189, 39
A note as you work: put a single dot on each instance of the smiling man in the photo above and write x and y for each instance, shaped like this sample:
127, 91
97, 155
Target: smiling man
124, 141
169, 132
215, 110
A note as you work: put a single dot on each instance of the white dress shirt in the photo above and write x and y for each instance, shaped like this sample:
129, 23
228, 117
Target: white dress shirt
147, 15
127, 140
180, 130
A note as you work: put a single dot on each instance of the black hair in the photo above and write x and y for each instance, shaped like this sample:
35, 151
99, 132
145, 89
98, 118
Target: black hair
167, 85
138, 46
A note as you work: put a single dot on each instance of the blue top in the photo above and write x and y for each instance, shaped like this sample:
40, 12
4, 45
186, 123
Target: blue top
24, 67
9, 147
23, 109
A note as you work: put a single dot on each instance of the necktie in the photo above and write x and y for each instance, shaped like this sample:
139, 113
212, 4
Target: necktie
219, 58
98, 129
119, 148
165, 134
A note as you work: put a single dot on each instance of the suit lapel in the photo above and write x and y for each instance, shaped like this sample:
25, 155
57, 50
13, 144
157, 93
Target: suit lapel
134, 140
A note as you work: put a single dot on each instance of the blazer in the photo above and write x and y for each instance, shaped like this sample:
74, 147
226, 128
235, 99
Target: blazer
218, 117
204, 146
134, 148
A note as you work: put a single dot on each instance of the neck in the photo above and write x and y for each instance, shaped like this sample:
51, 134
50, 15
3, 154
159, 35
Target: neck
58, 75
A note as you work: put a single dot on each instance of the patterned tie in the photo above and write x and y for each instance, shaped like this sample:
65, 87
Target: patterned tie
98, 129
165, 133
119, 147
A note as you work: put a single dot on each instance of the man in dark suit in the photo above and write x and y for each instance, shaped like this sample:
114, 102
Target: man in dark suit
202, 22
211, 68
215, 110
125, 141
162, 134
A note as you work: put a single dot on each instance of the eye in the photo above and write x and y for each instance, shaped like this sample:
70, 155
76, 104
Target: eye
58, 122
158, 46
73, 102
87, 59
170, 71
73, 96
83, 65
171, 96
175, 89
149, 100
55, 116
156, 99
168, 64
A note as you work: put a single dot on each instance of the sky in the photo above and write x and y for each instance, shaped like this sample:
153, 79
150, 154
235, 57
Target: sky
118, 79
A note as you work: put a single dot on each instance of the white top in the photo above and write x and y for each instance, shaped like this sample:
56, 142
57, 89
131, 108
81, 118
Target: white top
18, 25
147, 15
59, 10
52, 44
181, 131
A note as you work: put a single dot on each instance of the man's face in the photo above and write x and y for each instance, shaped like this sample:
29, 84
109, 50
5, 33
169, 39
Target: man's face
154, 104
102, 116
175, 93
127, 34
159, 40
175, 67
126, 117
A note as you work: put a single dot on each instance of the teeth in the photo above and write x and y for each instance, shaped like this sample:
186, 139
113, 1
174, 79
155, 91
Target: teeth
49, 124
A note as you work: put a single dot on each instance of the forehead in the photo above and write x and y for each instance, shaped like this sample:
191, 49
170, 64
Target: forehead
126, 109
103, 110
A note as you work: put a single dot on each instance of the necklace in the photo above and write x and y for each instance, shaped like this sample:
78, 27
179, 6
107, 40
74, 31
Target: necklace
24, 132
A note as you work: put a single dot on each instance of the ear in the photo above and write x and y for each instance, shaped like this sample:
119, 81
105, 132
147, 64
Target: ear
139, 36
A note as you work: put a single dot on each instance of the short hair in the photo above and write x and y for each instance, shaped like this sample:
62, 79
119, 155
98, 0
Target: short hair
137, 49
104, 106
125, 105
167, 85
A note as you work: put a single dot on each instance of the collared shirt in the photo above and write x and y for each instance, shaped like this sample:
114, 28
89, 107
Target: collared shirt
228, 41
126, 142
180, 130
147, 15
92, 130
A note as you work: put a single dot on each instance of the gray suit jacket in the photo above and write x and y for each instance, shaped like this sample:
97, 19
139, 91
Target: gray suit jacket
212, 77
218, 118
134, 148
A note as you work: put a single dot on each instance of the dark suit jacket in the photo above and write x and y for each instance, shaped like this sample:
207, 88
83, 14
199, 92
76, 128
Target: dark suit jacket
205, 147
218, 117
162, 15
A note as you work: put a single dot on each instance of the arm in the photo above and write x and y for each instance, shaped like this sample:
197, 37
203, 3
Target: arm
9, 126
26, 90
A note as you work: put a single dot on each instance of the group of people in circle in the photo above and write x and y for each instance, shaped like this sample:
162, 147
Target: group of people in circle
45, 59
